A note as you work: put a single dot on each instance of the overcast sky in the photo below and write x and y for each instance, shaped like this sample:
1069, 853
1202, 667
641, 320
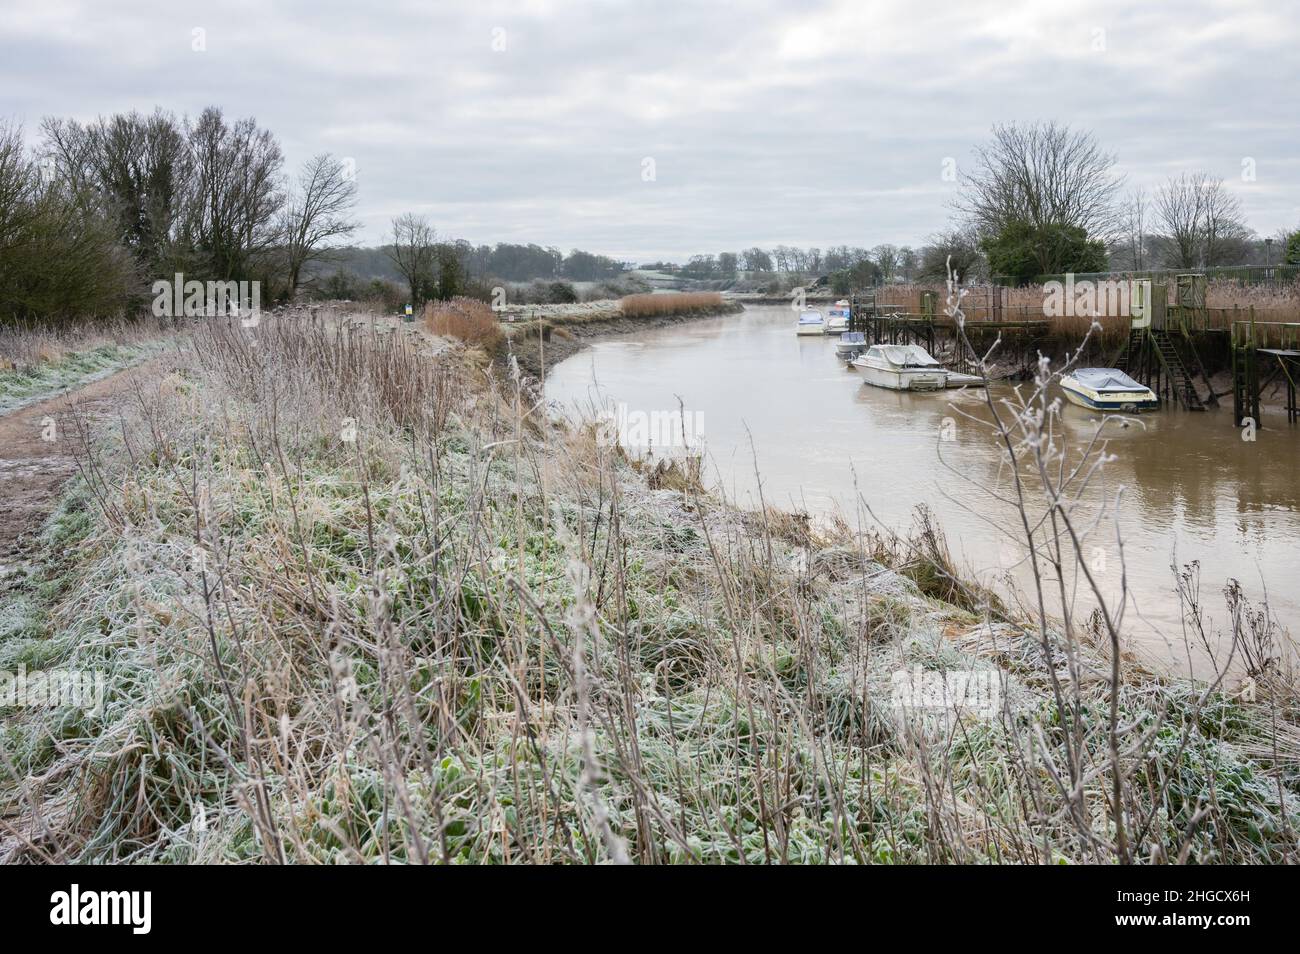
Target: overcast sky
805, 124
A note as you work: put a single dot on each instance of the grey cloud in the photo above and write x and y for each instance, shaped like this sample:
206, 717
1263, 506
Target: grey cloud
767, 122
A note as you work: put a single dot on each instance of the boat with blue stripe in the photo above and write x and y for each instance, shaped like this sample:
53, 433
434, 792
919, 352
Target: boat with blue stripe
1107, 389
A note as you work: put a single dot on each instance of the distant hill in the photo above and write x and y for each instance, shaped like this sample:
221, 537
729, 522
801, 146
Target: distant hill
365, 263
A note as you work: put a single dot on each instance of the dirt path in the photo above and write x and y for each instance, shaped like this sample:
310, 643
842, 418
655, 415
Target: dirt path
38, 444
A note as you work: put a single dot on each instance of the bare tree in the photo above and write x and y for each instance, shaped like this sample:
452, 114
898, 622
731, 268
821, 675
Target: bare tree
886, 259
1200, 220
1226, 235
1135, 228
1047, 176
908, 262
952, 252
317, 213
1276, 254
781, 256
134, 168
414, 252
19, 185
757, 260
236, 197
1178, 209
66, 152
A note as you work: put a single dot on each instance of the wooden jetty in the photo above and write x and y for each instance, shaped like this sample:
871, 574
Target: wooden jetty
883, 323
1264, 352
1161, 349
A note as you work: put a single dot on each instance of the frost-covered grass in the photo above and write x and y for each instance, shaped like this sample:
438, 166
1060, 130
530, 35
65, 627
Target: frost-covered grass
355, 605
29, 384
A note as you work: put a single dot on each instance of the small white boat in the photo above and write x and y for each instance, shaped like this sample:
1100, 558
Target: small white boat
901, 368
810, 323
851, 344
1107, 389
837, 318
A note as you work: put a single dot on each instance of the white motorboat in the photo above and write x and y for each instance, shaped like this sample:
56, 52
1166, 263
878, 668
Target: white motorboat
901, 368
851, 344
837, 318
1107, 389
810, 323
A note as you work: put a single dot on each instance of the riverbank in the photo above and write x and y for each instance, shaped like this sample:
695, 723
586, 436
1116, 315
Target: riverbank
811, 296
556, 332
354, 603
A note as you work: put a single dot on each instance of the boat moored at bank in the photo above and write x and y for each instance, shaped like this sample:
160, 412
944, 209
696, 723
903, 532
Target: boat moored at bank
901, 367
1107, 389
837, 318
851, 344
810, 323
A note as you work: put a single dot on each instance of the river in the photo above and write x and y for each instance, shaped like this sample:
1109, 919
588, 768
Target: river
763, 401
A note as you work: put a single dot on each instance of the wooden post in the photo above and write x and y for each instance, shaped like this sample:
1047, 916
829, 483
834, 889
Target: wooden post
1252, 374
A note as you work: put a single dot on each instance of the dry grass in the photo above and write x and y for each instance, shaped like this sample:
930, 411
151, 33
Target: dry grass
466, 319
355, 605
1271, 302
644, 306
29, 347
37, 362
1110, 332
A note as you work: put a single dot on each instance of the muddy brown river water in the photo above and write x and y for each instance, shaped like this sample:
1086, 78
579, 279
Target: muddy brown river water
759, 398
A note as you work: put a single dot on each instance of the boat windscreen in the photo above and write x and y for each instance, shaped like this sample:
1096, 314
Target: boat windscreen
1107, 379
909, 356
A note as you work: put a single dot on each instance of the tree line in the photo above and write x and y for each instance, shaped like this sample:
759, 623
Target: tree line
845, 267
439, 269
99, 210
1043, 199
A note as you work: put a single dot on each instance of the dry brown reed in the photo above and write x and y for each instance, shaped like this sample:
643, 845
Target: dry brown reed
466, 319
681, 303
